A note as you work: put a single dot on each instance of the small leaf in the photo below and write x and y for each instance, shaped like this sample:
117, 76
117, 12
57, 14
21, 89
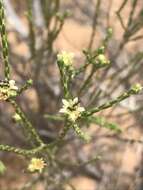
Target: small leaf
102, 122
81, 134
2, 168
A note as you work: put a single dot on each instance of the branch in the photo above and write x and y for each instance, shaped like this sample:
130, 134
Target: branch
134, 90
21, 151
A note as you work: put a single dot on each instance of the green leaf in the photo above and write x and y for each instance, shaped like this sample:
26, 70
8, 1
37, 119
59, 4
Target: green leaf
81, 134
2, 168
102, 122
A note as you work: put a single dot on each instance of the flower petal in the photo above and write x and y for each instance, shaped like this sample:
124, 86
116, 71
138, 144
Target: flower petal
12, 82
75, 100
62, 110
65, 102
81, 109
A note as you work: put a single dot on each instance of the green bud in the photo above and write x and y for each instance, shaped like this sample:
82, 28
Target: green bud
136, 88
67, 13
30, 82
101, 50
62, 16
102, 60
109, 32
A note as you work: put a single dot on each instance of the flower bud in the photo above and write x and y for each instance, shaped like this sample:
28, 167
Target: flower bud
137, 88
102, 60
16, 117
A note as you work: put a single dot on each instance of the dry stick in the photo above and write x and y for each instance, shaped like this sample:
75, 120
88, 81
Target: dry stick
4, 42
132, 12
51, 34
32, 37
130, 74
122, 44
132, 26
119, 15
95, 19
136, 38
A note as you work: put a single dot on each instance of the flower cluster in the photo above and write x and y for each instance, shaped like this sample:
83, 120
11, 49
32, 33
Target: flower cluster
7, 89
36, 164
65, 58
72, 109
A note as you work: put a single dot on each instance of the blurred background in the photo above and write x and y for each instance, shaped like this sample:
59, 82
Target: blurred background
37, 31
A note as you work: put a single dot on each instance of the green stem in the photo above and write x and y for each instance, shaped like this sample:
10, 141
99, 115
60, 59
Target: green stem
25, 86
94, 25
32, 43
80, 133
64, 132
21, 151
29, 128
112, 102
54, 117
132, 12
4, 41
65, 80
87, 81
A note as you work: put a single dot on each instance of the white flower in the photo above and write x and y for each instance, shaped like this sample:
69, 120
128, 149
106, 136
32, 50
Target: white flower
12, 85
72, 109
65, 57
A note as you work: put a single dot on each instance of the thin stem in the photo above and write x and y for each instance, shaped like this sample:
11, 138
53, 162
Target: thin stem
4, 42
25, 86
136, 38
132, 12
81, 69
65, 80
119, 15
95, 19
34, 136
111, 103
31, 29
21, 151
87, 80
54, 117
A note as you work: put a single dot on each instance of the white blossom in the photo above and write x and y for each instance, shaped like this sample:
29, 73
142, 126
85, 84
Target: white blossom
72, 109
